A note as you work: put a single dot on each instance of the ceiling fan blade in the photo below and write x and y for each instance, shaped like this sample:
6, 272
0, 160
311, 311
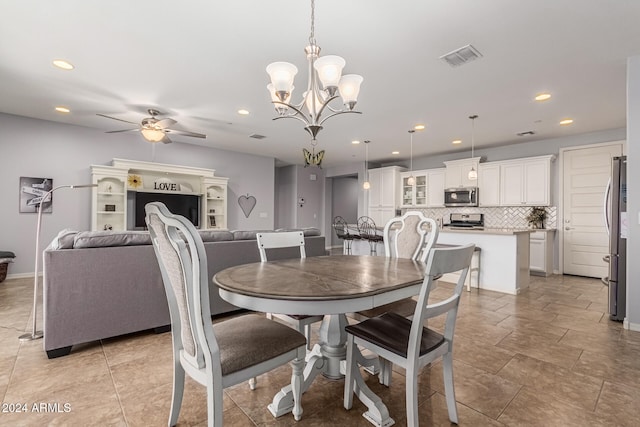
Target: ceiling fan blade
186, 133
165, 123
123, 130
115, 118
166, 139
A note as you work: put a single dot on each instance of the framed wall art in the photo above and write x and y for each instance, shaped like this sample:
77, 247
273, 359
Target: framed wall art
32, 190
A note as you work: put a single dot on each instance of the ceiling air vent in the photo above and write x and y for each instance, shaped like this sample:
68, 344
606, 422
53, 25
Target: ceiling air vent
461, 56
257, 136
525, 133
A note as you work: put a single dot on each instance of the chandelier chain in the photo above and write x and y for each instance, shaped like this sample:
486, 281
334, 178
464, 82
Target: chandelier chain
312, 36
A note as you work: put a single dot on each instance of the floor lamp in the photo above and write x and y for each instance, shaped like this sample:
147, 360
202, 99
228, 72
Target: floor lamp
35, 334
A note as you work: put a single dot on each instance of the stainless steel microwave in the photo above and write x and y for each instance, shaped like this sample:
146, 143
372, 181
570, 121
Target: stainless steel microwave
462, 196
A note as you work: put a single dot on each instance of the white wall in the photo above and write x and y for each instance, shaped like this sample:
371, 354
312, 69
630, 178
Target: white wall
38, 148
633, 193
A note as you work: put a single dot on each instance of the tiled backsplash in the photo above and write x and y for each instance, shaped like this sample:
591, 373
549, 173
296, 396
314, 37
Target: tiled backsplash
498, 217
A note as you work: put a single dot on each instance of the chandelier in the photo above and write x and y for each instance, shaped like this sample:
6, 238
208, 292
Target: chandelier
325, 83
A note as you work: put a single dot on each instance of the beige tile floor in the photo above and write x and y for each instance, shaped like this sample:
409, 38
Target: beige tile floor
547, 357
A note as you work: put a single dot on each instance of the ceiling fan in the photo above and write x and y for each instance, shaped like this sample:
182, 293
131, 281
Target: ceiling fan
154, 129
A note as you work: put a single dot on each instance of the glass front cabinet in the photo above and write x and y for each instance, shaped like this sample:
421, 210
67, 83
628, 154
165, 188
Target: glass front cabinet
414, 194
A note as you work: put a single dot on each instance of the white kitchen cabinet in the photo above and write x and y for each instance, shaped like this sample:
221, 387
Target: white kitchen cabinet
489, 184
435, 187
413, 195
541, 252
457, 172
384, 193
526, 182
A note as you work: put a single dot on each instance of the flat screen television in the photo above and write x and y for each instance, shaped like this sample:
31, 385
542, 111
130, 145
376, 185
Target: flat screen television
187, 205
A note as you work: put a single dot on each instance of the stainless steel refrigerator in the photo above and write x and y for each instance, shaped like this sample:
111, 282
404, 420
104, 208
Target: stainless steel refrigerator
615, 215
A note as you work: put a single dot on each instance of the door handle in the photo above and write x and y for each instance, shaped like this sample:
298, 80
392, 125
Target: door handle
606, 258
605, 280
567, 228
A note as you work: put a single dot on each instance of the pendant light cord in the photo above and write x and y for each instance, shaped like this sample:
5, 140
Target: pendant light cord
411, 132
473, 131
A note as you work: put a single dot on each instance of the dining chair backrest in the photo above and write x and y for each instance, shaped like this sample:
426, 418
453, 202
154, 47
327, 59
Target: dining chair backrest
413, 235
182, 257
440, 261
280, 239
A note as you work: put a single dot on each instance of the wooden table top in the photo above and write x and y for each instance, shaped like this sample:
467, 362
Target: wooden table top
321, 278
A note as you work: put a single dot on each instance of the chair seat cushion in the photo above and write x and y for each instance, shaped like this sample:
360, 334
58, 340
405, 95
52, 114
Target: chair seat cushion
245, 341
404, 308
391, 332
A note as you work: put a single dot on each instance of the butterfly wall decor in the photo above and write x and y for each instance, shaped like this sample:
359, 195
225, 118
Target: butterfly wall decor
311, 158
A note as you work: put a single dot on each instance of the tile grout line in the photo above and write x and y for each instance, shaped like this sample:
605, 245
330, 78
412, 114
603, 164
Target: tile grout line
113, 382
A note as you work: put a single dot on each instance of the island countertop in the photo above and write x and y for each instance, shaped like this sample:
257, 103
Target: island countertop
488, 230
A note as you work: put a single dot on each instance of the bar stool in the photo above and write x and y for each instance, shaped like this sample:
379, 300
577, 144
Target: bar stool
369, 232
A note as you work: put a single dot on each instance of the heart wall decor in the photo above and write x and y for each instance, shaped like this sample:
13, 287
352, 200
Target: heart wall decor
247, 203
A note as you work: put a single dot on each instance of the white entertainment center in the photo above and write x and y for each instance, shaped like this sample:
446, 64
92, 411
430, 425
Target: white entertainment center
127, 183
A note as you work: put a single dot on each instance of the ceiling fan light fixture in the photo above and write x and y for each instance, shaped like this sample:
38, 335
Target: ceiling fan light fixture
152, 134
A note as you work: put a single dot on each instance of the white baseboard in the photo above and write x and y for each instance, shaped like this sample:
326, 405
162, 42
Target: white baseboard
21, 275
631, 326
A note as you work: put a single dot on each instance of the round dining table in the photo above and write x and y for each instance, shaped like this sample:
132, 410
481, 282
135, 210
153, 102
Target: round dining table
324, 285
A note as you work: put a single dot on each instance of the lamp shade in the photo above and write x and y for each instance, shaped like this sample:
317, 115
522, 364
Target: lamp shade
274, 97
308, 101
329, 70
349, 88
473, 174
282, 75
152, 134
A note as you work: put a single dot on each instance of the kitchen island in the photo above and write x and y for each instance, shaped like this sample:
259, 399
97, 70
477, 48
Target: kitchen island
504, 259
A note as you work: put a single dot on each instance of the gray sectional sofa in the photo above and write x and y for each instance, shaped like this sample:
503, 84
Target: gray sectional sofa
100, 284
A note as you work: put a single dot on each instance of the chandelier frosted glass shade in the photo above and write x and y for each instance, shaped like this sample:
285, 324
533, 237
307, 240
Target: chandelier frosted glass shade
282, 75
329, 70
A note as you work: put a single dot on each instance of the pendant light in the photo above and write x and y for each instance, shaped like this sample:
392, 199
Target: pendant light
473, 174
411, 180
366, 185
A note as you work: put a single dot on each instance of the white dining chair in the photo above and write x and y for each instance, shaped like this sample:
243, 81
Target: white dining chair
288, 239
408, 343
221, 355
411, 236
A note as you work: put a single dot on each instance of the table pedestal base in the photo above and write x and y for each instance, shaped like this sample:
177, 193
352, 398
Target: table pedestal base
327, 358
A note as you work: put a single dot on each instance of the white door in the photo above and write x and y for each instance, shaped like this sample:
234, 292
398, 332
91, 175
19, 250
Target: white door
586, 172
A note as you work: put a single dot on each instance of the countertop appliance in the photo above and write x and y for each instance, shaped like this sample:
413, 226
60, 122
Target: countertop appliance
615, 217
463, 196
462, 221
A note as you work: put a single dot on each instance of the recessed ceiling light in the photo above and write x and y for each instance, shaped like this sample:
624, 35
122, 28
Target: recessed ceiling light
243, 112
63, 110
419, 127
566, 121
542, 96
395, 152
457, 141
355, 142
61, 63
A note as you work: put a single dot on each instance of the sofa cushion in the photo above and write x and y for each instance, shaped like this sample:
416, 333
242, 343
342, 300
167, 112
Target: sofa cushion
99, 239
247, 234
64, 239
215, 235
307, 231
